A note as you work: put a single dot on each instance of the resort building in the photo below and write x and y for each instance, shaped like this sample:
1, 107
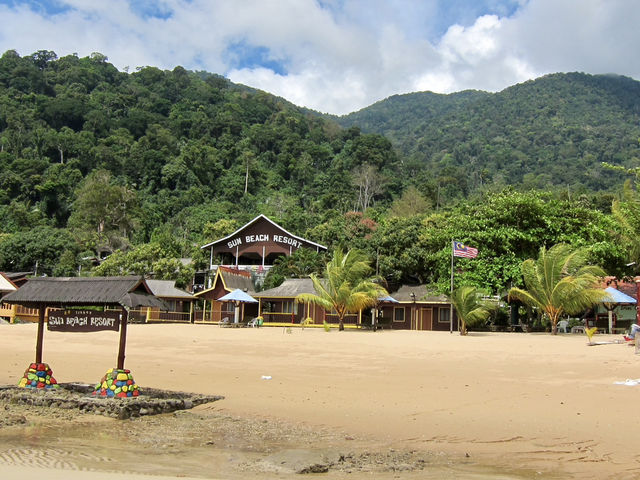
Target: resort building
252, 248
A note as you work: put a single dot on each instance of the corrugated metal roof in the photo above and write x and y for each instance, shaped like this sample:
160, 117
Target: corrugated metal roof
267, 219
234, 279
81, 291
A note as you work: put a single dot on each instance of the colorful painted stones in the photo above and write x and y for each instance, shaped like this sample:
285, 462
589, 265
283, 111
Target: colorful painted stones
38, 375
117, 383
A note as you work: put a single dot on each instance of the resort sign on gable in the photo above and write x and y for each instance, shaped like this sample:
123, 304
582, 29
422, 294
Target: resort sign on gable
82, 321
264, 237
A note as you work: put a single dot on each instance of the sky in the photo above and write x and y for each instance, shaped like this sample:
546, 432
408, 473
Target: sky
339, 56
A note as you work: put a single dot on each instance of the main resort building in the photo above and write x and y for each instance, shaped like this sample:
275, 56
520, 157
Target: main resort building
240, 261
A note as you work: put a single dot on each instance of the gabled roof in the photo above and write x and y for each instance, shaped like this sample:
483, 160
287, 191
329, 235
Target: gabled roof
6, 285
290, 288
422, 295
231, 279
129, 291
262, 217
167, 289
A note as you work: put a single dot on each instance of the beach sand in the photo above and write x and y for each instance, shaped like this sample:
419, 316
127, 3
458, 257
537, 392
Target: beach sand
386, 404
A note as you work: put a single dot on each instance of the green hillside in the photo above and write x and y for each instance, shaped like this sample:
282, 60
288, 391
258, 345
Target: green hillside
552, 131
146, 166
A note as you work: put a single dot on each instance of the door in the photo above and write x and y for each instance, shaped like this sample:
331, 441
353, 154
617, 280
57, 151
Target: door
422, 319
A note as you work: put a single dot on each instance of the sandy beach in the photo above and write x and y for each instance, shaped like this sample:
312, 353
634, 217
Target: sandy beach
488, 405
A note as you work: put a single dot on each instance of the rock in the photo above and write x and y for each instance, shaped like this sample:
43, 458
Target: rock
301, 461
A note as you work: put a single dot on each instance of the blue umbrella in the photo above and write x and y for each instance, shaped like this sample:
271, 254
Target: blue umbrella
616, 296
238, 296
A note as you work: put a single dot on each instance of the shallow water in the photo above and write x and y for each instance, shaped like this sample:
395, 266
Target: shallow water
73, 451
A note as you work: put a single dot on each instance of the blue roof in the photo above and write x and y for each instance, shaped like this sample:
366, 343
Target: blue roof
618, 297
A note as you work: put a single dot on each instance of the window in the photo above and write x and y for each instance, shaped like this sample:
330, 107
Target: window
290, 307
443, 317
398, 314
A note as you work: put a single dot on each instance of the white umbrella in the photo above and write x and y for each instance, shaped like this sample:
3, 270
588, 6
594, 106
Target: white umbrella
237, 296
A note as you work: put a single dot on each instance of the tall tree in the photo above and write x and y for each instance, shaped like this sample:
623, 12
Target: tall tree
105, 209
347, 286
559, 282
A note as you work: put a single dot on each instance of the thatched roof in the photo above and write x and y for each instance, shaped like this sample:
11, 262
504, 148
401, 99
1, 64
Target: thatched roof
167, 289
422, 295
127, 291
290, 288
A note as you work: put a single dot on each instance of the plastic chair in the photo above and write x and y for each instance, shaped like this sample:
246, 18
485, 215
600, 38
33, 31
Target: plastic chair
562, 326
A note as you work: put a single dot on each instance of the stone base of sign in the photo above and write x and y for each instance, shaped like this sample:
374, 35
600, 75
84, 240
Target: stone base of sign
38, 375
80, 396
117, 383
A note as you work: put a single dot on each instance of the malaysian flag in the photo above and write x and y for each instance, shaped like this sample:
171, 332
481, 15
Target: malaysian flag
461, 250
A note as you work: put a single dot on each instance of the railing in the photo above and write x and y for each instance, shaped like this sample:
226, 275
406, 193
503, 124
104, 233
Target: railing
150, 315
18, 312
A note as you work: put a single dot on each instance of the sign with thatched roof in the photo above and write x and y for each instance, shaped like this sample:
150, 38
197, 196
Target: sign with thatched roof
71, 292
64, 292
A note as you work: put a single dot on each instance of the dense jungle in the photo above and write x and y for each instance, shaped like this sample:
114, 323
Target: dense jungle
146, 166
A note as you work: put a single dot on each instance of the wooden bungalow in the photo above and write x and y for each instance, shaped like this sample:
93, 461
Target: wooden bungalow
179, 304
278, 305
225, 281
417, 309
253, 248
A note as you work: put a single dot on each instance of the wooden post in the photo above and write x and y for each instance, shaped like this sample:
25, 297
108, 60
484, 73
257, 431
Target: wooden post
123, 338
40, 337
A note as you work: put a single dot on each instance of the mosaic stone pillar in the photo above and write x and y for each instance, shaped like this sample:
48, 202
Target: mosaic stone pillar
117, 383
38, 375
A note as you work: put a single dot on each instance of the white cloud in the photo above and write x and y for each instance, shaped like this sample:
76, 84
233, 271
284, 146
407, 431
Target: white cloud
340, 56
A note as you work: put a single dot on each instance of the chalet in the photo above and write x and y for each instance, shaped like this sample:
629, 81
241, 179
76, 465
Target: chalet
253, 248
226, 280
415, 308
178, 304
279, 305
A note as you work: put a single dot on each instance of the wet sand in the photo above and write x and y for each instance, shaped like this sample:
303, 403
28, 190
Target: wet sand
498, 405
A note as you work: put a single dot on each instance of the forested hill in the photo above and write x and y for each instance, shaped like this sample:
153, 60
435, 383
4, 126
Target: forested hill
147, 166
555, 130
175, 149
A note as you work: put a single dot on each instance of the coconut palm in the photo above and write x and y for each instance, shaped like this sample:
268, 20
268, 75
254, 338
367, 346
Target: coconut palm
346, 287
559, 282
469, 307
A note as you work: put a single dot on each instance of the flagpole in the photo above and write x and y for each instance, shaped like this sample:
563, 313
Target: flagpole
451, 298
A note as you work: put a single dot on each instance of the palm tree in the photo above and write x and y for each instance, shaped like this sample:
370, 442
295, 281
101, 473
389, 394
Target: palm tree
559, 283
626, 211
469, 307
346, 287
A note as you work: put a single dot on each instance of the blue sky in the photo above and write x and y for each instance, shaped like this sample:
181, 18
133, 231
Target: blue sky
339, 56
